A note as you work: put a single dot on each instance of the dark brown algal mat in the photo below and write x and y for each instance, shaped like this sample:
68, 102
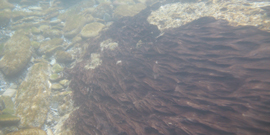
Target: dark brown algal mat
205, 77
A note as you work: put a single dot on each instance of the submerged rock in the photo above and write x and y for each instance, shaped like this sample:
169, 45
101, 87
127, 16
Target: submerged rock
31, 131
8, 119
9, 92
17, 54
5, 17
35, 30
74, 24
32, 99
64, 82
49, 46
7, 116
63, 57
57, 68
92, 29
57, 86
128, 10
52, 33
55, 77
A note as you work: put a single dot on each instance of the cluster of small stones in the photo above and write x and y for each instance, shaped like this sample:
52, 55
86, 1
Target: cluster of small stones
236, 12
38, 40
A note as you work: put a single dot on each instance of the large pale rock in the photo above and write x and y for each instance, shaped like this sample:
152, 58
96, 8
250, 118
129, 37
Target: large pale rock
32, 99
46, 46
63, 57
92, 29
74, 24
17, 54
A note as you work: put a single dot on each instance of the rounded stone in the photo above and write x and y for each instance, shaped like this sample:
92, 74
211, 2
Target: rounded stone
64, 82
57, 86
57, 68
55, 77
63, 57
92, 29
35, 30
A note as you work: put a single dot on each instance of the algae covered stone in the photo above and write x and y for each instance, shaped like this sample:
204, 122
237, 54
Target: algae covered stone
57, 68
63, 57
35, 44
55, 77
35, 30
7, 119
52, 33
92, 29
74, 24
31, 131
64, 82
32, 98
47, 46
57, 86
17, 54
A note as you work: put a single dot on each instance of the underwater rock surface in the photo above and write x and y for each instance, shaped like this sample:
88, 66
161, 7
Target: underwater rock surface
32, 99
17, 54
205, 77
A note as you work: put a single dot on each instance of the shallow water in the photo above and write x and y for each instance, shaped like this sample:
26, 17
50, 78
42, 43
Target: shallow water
135, 67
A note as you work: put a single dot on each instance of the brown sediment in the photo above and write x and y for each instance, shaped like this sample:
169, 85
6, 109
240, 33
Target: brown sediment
205, 77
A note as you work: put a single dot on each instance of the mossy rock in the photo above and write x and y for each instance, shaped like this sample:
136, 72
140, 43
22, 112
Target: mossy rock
92, 29
52, 50
57, 86
7, 116
9, 105
63, 57
17, 15
31, 131
48, 45
44, 27
74, 24
57, 68
32, 99
64, 82
35, 30
128, 10
55, 77
52, 33
35, 44
6, 119
17, 54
